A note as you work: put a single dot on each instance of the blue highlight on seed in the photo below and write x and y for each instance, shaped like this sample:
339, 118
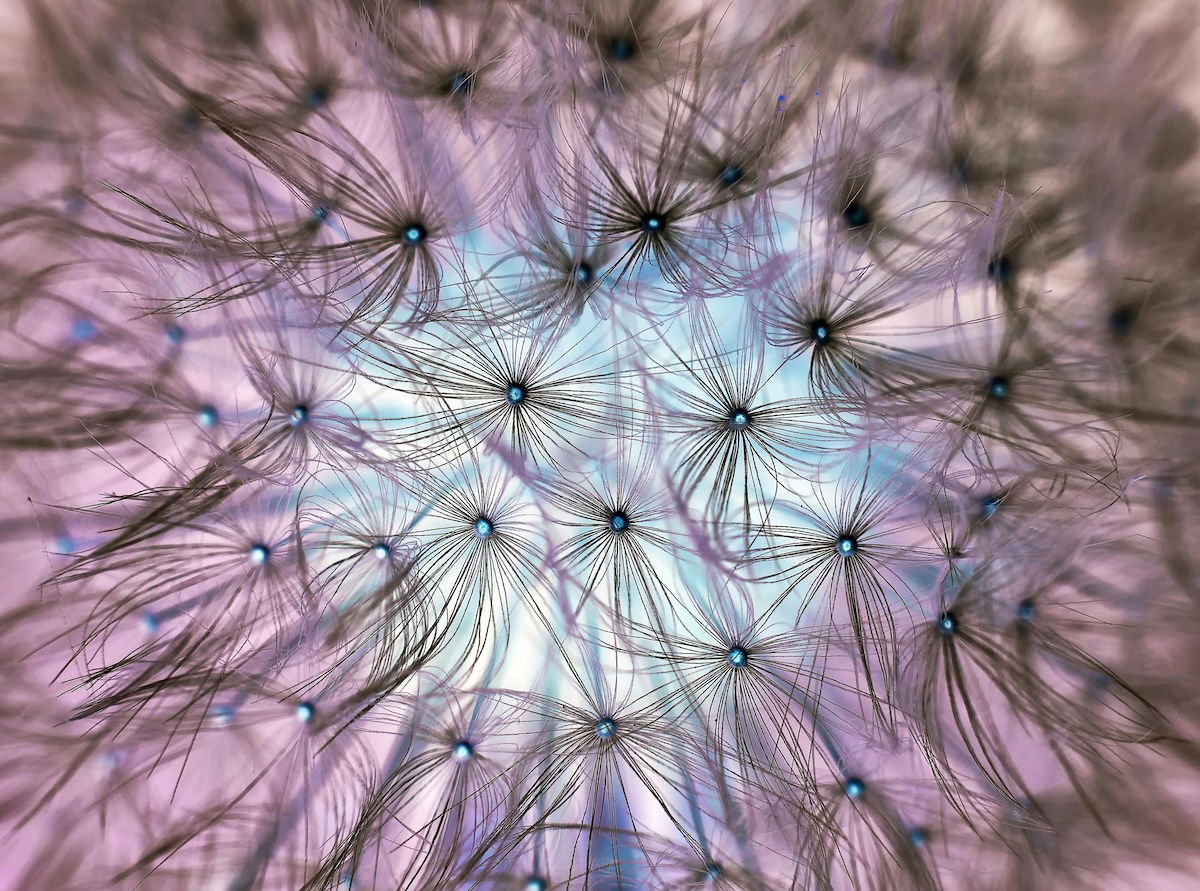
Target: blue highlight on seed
260, 554
989, 506
462, 750
854, 788
298, 416
515, 394
737, 657
847, 545
731, 175
536, 883
620, 49
605, 728
206, 416
223, 714
306, 711
739, 419
484, 527
83, 329
856, 216
414, 234
618, 522
947, 623
317, 96
461, 83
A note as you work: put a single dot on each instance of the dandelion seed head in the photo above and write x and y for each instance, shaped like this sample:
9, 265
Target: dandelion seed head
516, 293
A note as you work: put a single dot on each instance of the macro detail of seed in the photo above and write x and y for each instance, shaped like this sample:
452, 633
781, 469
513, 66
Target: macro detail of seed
481, 445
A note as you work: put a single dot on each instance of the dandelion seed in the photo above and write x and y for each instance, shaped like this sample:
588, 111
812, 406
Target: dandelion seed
621, 49
653, 223
1000, 269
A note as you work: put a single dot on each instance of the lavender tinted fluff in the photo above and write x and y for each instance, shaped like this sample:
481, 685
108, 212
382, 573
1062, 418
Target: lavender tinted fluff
573, 444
